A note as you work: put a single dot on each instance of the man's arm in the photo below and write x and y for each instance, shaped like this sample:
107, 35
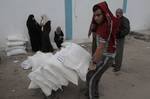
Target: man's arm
98, 53
97, 56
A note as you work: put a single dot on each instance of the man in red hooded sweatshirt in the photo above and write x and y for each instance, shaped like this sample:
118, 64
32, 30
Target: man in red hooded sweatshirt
104, 25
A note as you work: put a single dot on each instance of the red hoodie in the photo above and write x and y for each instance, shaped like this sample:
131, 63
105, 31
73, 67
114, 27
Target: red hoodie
109, 26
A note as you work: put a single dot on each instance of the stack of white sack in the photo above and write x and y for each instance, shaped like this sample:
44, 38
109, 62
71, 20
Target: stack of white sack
51, 72
16, 44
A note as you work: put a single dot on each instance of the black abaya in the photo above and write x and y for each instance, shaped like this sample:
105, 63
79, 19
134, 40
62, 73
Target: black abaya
46, 44
34, 31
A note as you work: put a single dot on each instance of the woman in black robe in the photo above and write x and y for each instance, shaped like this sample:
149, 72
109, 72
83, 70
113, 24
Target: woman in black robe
34, 31
46, 28
59, 37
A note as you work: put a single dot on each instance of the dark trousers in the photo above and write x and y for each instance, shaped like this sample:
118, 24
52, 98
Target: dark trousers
119, 53
93, 76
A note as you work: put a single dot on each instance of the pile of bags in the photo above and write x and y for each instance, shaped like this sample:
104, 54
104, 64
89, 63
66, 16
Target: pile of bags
16, 44
51, 72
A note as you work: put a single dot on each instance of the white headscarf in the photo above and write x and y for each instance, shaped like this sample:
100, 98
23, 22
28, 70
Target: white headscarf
43, 20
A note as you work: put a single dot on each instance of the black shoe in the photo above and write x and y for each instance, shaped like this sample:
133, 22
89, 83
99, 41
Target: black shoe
116, 70
86, 93
113, 65
96, 95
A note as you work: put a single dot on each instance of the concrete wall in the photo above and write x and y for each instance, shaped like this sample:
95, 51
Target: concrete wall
82, 15
139, 14
136, 11
14, 14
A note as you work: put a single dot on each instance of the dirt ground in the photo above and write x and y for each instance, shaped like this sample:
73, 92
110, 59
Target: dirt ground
132, 82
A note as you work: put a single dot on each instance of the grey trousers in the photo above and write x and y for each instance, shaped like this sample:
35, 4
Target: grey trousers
93, 76
119, 53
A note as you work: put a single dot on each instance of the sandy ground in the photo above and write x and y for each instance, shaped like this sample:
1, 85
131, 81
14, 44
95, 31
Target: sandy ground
132, 82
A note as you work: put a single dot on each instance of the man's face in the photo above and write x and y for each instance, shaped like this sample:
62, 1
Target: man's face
119, 14
98, 16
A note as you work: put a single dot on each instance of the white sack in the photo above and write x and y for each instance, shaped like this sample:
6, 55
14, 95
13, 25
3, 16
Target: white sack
48, 78
67, 73
26, 64
33, 85
50, 72
16, 52
38, 59
76, 58
38, 74
55, 76
15, 43
17, 38
14, 47
39, 81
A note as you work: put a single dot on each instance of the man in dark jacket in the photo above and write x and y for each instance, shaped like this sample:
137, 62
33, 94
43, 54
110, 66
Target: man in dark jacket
124, 29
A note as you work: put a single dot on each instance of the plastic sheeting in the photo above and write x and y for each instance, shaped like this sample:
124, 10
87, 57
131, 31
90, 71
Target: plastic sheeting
50, 72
